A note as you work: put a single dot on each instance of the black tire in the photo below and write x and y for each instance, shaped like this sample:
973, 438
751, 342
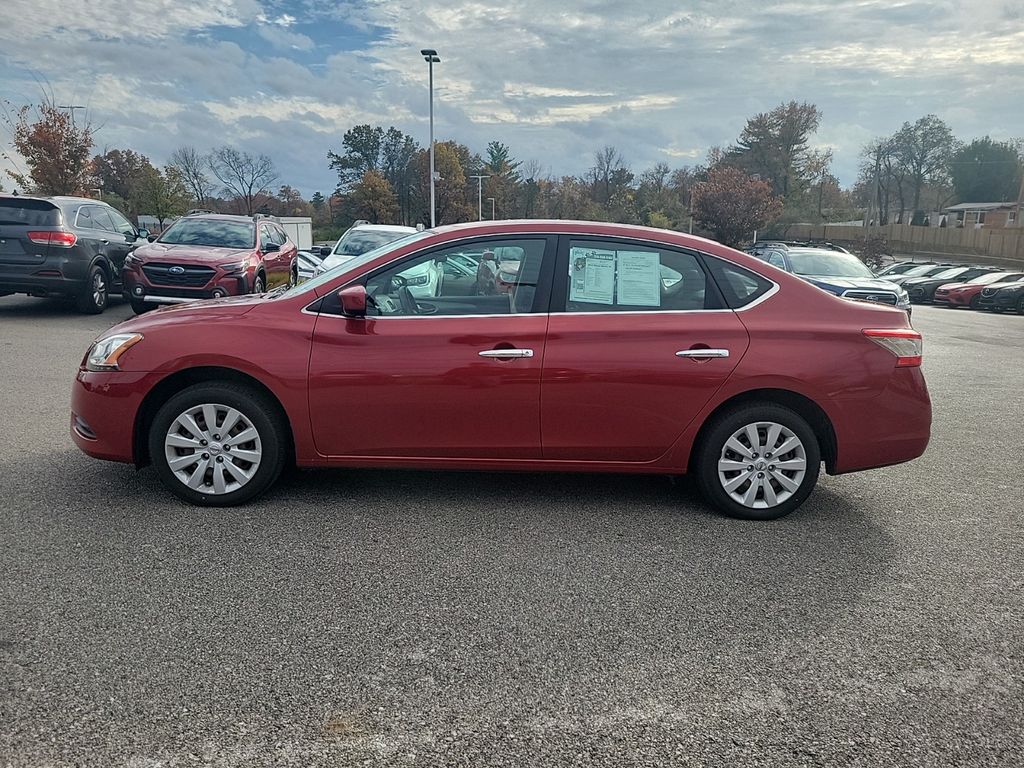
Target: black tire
974, 303
257, 410
713, 443
1020, 306
141, 307
259, 285
95, 294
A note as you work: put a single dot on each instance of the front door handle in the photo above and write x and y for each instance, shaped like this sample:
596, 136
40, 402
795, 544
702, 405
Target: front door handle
506, 353
698, 353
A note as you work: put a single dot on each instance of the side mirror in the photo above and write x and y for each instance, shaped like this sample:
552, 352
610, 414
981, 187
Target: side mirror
151, 238
271, 247
325, 251
353, 300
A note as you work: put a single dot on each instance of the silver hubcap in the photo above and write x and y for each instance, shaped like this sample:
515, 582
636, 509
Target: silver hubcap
762, 465
99, 288
213, 448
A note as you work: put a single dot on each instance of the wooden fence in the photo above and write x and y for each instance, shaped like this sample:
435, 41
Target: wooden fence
1000, 246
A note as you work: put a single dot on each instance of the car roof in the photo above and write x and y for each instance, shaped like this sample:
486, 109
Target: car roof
383, 227
222, 217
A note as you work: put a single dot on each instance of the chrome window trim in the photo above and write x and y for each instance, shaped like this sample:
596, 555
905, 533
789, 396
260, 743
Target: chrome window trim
760, 299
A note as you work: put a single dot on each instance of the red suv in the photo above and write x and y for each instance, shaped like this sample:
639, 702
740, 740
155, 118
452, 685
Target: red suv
616, 349
208, 256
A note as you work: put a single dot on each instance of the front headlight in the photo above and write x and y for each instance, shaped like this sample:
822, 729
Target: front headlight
235, 266
104, 354
418, 280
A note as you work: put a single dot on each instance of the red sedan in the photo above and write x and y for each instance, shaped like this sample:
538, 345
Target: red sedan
967, 294
617, 349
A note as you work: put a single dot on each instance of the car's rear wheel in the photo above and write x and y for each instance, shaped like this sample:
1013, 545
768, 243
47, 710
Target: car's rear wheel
1020, 306
758, 461
94, 295
218, 444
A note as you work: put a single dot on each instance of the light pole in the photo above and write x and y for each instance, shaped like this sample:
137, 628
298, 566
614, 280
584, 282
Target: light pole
480, 196
430, 56
491, 199
70, 108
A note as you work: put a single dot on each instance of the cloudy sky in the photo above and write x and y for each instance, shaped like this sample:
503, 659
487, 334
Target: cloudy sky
662, 80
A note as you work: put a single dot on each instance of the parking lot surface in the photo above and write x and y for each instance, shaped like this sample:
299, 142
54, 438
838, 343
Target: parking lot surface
411, 618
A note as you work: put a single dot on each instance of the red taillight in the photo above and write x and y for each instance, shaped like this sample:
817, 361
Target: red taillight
905, 343
54, 237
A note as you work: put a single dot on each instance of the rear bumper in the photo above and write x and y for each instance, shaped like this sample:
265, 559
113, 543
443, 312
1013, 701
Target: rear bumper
891, 428
15, 278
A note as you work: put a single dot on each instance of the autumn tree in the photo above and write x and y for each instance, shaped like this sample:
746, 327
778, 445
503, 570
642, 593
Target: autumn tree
732, 204
245, 177
193, 166
54, 147
451, 190
374, 200
986, 171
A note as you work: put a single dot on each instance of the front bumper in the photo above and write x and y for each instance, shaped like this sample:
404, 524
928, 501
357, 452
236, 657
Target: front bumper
104, 406
998, 302
138, 287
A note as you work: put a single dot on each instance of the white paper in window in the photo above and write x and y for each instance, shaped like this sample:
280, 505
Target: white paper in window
639, 279
591, 275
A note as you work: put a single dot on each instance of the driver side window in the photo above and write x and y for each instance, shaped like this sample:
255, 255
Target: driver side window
496, 277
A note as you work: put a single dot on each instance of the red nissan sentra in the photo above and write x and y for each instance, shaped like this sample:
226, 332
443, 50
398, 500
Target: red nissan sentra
615, 349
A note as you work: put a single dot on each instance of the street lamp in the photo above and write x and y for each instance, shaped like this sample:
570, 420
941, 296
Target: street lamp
70, 108
480, 196
492, 207
430, 56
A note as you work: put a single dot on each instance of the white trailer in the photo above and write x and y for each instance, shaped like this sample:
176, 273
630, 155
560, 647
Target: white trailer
299, 229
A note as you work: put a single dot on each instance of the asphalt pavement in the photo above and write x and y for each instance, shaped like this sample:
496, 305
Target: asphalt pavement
372, 618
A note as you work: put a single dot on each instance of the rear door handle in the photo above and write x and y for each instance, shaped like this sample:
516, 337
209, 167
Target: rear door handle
702, 353
505, 353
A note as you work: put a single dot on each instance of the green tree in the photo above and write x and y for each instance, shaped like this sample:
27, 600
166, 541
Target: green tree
163, 194
122, 172
775, 146
924, 150
55, 149
986, 171
732, 204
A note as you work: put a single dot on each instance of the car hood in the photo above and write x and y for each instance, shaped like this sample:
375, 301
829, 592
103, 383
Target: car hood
205, 311
190, 254
922, 280
849, 283
957, 286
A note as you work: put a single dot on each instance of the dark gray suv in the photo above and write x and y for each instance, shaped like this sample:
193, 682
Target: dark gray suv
67, 247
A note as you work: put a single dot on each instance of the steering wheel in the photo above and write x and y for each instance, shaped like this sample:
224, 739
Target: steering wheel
408, 301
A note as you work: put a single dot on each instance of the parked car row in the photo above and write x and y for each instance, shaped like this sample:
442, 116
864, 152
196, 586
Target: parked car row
960, 285
85, 250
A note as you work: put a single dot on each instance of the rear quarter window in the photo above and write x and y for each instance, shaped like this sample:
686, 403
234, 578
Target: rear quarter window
740, 287
29, 213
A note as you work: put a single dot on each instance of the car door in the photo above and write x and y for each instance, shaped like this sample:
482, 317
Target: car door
125, 239
431, 375
286, 257
639, 340
270, 246
94, 226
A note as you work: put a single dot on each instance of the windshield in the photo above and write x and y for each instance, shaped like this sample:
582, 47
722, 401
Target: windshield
353, 263
994, 277
950, 273
916, 271
827, 264
215, 233
358, 241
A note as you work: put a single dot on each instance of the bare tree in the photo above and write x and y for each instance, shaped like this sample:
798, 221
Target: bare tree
244, 177
192, 166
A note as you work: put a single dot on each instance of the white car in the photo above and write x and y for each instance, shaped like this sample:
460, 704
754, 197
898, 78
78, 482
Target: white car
360, 238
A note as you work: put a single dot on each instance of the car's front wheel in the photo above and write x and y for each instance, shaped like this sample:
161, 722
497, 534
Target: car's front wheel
758, 461
218, 444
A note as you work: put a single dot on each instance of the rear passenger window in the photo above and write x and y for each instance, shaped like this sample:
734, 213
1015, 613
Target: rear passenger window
606, 276
739, 286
